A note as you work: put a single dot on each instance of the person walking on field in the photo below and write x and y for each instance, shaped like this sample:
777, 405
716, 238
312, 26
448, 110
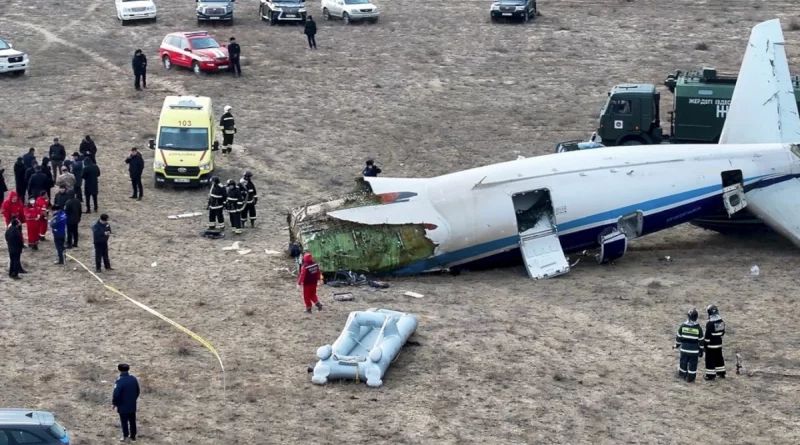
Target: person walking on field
33, 218
12, 207
3, 187
42, 205
58, 225
88, 149
57, 156
309, 278
20, 184
126, 394
73, 210
15, 244
139, 69
91, 186
77, 171
235, 52
135, 169
101, 231
310, 31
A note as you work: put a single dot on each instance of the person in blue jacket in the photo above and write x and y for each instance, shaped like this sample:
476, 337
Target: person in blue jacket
58, 226
126, 392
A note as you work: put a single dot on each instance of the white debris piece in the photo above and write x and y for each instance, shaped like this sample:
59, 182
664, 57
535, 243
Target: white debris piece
413, 294
244, 251
271, 252
185, 215
154, 264
235, 246
755, 271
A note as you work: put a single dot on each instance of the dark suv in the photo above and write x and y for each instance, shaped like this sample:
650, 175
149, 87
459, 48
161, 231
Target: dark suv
26, 426
513, 9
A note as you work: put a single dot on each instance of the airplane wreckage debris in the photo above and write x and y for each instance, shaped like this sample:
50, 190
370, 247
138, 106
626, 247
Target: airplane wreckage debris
338, 245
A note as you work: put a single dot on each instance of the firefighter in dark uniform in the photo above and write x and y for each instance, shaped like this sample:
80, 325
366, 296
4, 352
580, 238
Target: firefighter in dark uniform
715, 330
216, 201
690, 340
235, 52
249, 212
233, 205
228, 126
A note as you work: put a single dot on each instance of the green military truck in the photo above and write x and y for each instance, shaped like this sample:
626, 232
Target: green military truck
631, 116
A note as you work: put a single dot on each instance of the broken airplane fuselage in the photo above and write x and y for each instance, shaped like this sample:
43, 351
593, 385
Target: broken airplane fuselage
548, 206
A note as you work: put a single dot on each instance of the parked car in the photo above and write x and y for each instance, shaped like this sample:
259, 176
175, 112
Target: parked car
350, 10
27, 426
129, 10
215, 10
12, 60
513, 9
282, 11
196, 50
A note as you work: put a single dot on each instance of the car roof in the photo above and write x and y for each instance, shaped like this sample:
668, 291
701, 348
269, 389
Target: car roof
21, 416
190, 34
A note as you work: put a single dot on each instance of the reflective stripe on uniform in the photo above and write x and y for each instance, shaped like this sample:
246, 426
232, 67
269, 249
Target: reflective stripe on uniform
692, 372
719, 334
215, 207
690, 337
230, 118
721, 369
690, 352
215, 196
713, 346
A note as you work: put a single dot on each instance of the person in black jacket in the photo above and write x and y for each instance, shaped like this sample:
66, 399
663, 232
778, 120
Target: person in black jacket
310, 31
61, 197
139, 69
77, 170
19, 177
3, 186
136, 168
15, 245
234, 52
88, 149
101, 230
37, 183
126, 393
91, 187
57, 156
50, 179
73, 210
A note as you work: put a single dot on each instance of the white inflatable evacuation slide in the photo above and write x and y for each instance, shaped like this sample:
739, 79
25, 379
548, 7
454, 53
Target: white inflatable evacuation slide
368, 344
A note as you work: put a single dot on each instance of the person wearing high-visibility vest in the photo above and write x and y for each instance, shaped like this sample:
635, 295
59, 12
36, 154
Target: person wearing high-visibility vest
228, 127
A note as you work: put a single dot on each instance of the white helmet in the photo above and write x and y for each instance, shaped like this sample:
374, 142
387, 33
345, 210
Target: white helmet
226, 108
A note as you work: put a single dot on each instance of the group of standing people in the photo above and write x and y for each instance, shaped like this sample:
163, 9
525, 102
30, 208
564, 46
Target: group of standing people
693, 342
238, 200
29, 206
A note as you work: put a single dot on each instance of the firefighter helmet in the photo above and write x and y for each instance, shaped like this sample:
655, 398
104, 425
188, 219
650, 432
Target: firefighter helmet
712, 310
215, 180
231, 182
692, 314
227, 108
248, 174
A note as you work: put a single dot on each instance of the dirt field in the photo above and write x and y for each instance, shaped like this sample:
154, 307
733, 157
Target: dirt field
433, 88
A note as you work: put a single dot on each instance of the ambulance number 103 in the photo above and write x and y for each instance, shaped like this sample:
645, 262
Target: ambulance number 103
185, 123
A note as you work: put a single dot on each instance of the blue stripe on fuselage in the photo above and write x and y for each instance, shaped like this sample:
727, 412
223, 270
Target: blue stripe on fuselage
586, 237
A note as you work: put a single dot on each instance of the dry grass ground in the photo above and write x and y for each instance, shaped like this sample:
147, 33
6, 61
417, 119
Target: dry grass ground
433, 88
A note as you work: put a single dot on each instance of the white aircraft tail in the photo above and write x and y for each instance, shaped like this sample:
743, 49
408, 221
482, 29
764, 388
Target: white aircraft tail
763, 108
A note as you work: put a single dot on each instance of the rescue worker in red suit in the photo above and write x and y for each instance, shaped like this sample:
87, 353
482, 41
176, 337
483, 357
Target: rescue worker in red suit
33, 218
12, 206
309, 277
42, 205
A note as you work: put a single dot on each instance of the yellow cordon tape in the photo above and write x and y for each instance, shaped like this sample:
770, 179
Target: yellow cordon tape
154, 312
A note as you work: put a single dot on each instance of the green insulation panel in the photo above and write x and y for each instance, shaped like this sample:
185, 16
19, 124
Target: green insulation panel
363, 248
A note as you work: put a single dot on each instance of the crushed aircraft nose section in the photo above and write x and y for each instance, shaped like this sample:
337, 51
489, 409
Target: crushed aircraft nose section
337, 244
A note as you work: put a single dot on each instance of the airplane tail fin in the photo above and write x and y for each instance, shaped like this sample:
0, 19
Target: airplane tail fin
763, 108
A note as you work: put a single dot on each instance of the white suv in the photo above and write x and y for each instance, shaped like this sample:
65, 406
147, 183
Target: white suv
11, 60
128, 10
350, 10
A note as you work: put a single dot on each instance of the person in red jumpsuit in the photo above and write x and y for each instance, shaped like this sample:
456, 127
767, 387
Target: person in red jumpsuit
33, 224
42, 205
12, 206
309, 277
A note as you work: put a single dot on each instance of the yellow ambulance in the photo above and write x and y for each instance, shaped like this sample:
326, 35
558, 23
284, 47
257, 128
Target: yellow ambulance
185, 143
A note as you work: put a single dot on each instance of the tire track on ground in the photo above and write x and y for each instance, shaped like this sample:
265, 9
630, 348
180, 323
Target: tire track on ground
99, 59
90, 9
